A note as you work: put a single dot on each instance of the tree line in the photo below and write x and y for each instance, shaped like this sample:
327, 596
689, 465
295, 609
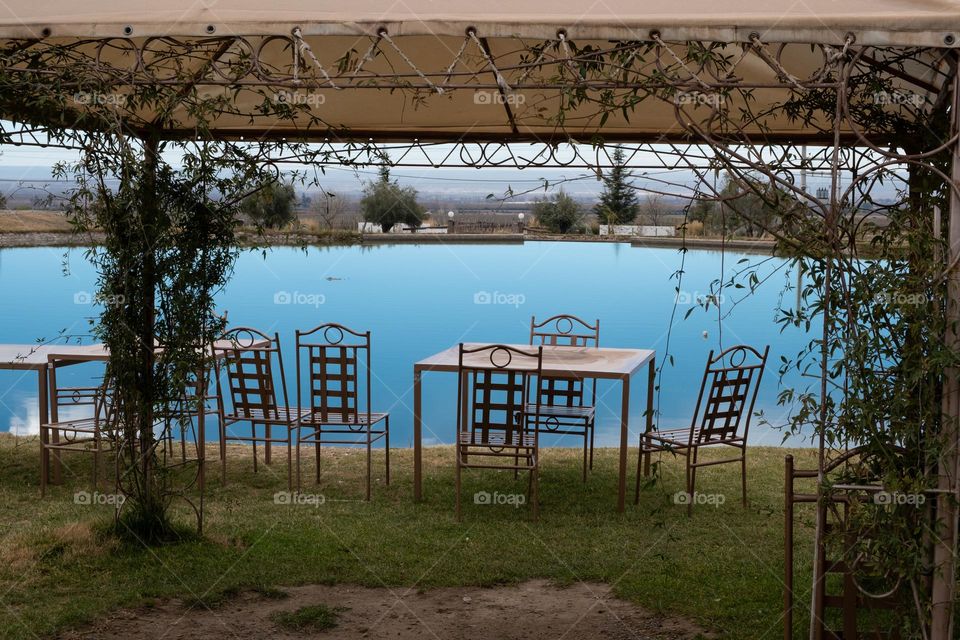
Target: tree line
740, 207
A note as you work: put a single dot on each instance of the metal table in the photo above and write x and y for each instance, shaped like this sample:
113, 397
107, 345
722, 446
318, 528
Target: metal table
42, 359
572, 362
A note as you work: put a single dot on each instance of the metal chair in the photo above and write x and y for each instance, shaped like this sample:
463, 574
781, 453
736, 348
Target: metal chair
492, 386
177, 420
564, 409
248, 356
94, 433
734, 379
850, 598
339, 410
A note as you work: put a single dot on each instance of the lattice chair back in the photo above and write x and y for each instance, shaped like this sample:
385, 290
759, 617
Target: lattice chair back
492, 384
249, 357
567, 331
337, 362
728, 392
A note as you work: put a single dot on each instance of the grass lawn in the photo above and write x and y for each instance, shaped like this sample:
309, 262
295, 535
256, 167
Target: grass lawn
723, 567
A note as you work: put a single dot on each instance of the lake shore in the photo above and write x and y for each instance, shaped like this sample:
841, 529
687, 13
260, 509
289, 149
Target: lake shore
50, 229
21, 239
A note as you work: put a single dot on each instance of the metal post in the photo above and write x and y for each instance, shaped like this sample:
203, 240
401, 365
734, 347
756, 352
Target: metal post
945, 540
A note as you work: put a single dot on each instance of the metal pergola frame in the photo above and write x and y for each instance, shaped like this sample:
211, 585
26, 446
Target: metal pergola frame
714, 125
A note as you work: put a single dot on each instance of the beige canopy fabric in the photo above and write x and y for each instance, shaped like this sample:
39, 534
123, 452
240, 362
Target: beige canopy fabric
442, 70
874, 22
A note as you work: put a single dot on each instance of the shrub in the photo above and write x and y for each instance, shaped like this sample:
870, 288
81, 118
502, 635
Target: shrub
271, 206
560, 214
386, 203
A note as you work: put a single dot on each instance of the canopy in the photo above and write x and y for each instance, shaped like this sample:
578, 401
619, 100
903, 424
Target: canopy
875, 22
520, 70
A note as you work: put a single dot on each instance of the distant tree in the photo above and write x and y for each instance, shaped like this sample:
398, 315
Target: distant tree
3, 201
329, 207
618, 201
756, 209
386, 203
560, 213
749, 208
271, 206
652, 209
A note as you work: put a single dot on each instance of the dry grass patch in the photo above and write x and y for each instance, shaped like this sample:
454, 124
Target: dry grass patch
33, 222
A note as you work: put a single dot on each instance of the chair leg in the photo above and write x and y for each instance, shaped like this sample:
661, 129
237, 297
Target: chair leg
289, 459
298, 461
44, 462
316, 453
386, 439
253, 428
646, 456
535, 494
223, 454
585, 447
636, 493
55, 455
593, 430
692, 474
516, 455
369, 460
96, 461
743, 477
458, 486
267, 445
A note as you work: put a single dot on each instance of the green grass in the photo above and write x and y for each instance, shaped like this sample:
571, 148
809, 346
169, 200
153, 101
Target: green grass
318, 617
722, 567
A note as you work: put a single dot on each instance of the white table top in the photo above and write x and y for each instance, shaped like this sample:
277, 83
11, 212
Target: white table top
585, 362
36, 356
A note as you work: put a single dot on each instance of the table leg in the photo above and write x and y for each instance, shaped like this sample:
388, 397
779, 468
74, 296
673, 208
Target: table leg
201, 441
651, 386
44, 418
624, 441
53, 415
417, 436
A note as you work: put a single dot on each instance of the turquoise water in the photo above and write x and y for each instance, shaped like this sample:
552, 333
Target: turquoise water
418, 300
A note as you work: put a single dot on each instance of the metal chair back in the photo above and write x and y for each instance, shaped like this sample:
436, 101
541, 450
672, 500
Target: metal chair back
249, 357
492, 385
728, 392
567, 331
334, 354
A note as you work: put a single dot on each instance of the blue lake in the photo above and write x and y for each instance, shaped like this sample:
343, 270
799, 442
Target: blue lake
418, 300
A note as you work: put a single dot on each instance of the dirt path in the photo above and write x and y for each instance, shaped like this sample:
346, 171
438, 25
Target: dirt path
534, 610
